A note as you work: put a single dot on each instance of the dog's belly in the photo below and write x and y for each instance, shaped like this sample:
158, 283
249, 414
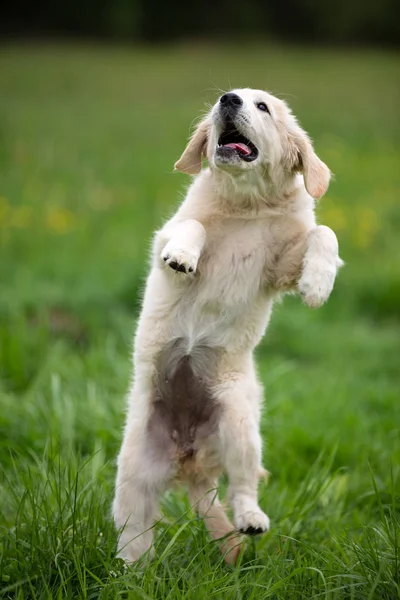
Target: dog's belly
184, 413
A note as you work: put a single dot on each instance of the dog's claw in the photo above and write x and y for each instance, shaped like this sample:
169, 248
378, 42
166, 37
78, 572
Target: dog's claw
177, 267
252, 531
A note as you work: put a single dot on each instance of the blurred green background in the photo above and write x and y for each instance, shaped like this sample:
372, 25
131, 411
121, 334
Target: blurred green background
88, 137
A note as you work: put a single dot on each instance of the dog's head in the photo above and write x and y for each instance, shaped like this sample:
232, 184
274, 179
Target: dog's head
251, 130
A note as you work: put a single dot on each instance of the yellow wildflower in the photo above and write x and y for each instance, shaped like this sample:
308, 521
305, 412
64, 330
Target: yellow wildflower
60, 220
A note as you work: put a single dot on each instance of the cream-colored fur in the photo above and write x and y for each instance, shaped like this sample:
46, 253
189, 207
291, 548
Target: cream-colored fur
245, 234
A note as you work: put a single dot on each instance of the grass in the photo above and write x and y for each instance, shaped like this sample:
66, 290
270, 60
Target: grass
88, 136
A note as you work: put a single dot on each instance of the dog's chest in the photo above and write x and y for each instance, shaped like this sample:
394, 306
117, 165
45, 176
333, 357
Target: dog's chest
227, 304
232, 265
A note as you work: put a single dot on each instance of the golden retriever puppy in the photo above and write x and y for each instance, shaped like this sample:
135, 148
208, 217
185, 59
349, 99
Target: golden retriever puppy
245, 234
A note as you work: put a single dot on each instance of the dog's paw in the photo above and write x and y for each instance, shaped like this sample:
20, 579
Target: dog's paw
183, 260
316, 283
136, 551
252, 522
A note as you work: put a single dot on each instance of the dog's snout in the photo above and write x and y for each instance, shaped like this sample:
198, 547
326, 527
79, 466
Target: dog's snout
231, 100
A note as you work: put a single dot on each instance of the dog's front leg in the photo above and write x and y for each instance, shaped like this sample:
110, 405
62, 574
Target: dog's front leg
239, 396
320, 264
180, 243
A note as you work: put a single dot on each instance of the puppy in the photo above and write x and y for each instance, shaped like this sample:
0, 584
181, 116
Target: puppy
245, 234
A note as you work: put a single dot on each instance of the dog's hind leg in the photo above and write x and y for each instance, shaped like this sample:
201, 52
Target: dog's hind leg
239, 395
204, 499
142, 477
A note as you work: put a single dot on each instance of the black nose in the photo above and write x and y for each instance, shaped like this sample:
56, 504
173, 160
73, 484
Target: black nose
231, 100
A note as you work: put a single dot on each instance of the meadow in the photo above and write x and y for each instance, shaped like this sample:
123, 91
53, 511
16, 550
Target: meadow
88, 138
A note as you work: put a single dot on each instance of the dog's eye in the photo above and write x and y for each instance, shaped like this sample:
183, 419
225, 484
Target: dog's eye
262, 106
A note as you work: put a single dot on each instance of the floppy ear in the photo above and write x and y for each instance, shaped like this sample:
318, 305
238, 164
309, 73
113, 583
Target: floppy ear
190, 161
315, 172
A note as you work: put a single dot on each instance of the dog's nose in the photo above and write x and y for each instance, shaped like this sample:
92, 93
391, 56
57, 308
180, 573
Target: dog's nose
231, 100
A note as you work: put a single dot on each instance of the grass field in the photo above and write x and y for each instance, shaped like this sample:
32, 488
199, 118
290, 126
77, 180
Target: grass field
88, 137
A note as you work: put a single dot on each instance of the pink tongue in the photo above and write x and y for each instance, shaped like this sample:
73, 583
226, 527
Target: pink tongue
239, 146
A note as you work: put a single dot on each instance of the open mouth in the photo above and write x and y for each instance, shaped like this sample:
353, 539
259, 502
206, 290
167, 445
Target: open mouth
232, 141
